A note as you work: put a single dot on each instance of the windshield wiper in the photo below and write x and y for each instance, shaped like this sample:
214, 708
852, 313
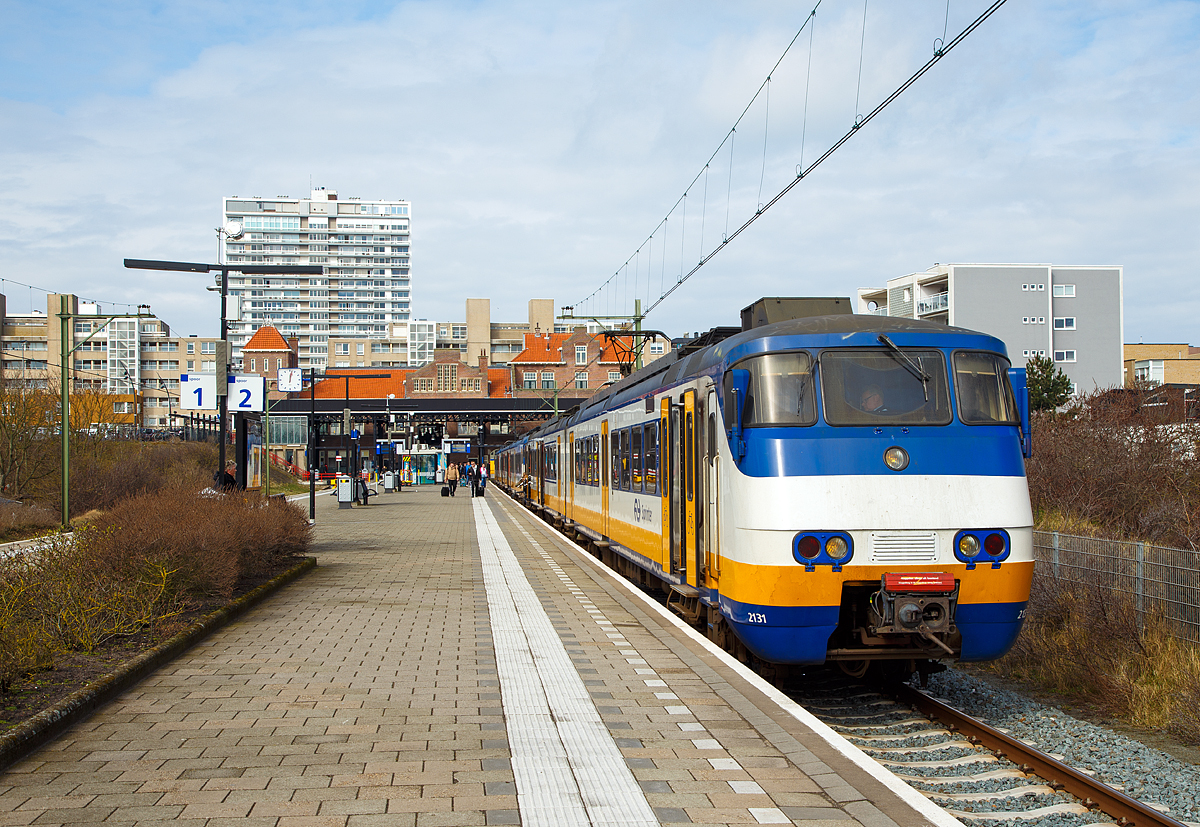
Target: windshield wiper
908, 363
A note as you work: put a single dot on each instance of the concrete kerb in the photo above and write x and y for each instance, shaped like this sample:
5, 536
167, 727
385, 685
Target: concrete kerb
39, 729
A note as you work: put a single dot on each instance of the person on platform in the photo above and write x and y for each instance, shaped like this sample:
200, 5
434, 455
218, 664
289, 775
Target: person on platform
483, 476
452, 477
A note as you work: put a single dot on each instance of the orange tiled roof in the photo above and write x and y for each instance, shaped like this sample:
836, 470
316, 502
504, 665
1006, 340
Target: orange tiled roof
266, 338
541, 350
334, 385
499, 381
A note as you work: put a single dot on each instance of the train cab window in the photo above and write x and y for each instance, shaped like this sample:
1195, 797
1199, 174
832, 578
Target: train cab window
651, 453
985, 396
635, 458
781, 391
874, 387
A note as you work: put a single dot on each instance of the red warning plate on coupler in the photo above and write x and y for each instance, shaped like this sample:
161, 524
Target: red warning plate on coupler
918, 582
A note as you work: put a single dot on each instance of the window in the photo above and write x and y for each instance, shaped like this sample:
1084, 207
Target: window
278, 364
635, 451
651, 451
985, 396
869, 387
581, 380
359, 348
252, 365
530, 380
614, 376
208, 367
657, 348
548, 380
191, 347
1041, 288
625, 463
1025, 287
581, 355
1064, 291
208, 347
1064, 323
191, 365
1024, 320
1064, 356
781, 390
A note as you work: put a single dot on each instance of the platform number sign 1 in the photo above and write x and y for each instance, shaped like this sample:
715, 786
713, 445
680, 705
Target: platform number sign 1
246, 393
198, 391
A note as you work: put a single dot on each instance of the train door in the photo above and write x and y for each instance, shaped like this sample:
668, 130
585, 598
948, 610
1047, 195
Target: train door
710, 468
572, 467
558, 469
664, 484
690, 484
604, 477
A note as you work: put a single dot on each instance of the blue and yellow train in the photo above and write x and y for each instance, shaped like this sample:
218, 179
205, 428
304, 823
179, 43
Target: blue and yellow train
837, 488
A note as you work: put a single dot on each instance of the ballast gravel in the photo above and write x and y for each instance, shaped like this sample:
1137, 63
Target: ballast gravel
1141, 772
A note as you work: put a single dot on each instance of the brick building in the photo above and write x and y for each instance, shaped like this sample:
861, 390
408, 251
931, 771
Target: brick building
575, 364
447, 376
266, 353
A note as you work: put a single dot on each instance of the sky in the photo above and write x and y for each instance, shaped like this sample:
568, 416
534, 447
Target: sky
542, 145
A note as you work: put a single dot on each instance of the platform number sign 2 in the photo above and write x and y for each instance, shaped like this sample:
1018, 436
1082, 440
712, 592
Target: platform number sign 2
246, 393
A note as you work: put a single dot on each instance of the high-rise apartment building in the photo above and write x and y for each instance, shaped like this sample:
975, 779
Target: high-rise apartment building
364, 247
1071, 314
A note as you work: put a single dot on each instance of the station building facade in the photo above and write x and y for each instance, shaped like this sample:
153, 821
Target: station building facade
1071, 314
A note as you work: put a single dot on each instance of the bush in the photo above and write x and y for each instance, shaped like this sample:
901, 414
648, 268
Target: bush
145, 561
17, 520
1110, 463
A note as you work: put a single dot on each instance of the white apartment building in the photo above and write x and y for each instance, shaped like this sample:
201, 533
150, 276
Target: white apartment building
364, 247
1071, 314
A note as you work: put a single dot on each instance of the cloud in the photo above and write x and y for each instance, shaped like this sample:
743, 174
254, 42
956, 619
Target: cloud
541, 144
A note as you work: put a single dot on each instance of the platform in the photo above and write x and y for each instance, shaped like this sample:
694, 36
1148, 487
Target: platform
452, 661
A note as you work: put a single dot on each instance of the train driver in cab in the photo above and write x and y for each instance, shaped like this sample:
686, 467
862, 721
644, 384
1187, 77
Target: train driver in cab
872, 400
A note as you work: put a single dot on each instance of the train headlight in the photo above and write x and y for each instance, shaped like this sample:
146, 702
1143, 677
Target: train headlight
968, 545
982, 545
836, 548
896, 458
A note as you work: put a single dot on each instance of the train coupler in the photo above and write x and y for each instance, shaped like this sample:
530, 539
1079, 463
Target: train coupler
920, 603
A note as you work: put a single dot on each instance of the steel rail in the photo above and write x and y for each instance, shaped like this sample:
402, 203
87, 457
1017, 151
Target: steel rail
1127, 811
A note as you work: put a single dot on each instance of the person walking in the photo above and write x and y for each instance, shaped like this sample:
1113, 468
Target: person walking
452, 477
483, 476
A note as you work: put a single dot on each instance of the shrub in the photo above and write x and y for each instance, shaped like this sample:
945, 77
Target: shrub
1113, 465
136, 566
18, 520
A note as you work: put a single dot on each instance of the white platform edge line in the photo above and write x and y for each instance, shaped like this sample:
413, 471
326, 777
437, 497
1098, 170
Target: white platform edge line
859, 758
597, 765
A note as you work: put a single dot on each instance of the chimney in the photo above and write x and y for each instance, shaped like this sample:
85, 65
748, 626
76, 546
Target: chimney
483, 361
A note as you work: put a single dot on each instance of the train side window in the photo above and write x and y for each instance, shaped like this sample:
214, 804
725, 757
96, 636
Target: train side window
651, 452
624, 459
594, 460
616, 459
689, 460
589, 461
635, 450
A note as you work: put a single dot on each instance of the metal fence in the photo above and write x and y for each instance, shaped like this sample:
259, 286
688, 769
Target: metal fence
1156, 579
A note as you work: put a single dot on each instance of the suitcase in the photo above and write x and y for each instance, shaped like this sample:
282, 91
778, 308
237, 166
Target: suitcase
445, 491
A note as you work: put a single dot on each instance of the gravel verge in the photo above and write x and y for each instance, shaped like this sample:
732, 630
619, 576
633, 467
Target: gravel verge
1142, 772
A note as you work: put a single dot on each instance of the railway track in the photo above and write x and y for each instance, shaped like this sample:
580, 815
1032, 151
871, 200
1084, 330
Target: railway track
976, 772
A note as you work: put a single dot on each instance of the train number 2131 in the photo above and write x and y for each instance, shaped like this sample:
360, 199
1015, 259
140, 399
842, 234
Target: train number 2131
756, 617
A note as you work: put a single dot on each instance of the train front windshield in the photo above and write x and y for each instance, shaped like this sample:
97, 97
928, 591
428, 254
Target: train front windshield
868, 387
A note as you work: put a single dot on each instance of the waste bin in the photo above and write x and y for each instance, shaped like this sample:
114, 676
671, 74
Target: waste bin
389, 481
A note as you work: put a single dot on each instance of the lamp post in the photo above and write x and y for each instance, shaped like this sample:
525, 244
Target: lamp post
222, 365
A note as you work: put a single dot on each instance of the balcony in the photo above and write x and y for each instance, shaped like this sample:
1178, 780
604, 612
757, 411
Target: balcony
932, 304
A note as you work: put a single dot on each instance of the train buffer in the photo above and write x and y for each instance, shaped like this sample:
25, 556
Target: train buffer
454, 661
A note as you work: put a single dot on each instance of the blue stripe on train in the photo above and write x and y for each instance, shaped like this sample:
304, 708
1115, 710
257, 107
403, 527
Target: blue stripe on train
822, 450
800, 634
